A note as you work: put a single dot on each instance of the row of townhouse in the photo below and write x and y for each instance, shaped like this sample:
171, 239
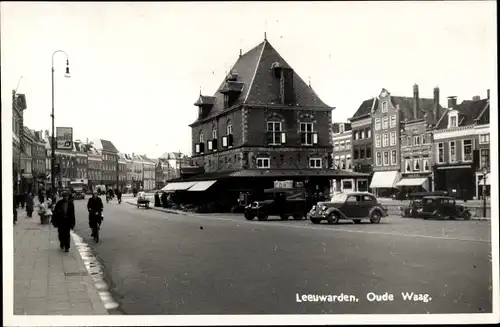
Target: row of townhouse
410, 144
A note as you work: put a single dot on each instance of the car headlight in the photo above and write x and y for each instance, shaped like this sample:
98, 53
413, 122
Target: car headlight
313, 208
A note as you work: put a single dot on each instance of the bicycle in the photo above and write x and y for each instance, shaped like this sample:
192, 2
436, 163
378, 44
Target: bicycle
96, 226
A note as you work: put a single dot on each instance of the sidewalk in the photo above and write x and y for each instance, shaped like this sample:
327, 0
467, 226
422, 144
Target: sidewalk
47, 281
231, 215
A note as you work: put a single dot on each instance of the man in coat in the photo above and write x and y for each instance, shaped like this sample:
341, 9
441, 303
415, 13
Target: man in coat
64, 220
94, 205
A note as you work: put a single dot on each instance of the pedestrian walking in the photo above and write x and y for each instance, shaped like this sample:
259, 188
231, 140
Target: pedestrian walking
30, 202
158, 201
15, 208
64, 220
22, 198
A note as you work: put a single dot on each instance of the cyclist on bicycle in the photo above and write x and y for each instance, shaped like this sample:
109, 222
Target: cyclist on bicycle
95, 206
118, 193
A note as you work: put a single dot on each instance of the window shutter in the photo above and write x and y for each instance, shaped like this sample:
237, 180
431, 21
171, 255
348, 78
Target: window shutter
230, 140
202, 147
224, 141
283, 137
315, 138
330, 162
210, 145
214, 144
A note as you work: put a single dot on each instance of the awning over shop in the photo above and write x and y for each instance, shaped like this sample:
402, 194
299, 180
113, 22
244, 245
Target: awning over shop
411, 182
202, 186
179, 186
385, 179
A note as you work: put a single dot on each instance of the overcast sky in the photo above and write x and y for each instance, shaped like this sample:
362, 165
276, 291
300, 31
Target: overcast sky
137, 67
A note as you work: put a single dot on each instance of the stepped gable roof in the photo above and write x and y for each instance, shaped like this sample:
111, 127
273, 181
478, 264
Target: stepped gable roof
469, 112
258, 84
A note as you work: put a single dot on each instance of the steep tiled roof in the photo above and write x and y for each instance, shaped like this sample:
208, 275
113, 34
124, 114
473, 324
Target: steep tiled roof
365, 108
258, 83
425, 106
108, 146
468, 111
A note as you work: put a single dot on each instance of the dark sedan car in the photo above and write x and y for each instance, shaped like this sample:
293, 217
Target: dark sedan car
354, 206
442, 207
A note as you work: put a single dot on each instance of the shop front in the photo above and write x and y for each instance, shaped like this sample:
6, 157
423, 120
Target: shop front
459, 181
483, 186
414, 183
383, 183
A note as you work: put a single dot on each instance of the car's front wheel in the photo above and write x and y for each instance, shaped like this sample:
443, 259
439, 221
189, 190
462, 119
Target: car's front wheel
333, 218
466, 215
249, 216
375, 217
262, 216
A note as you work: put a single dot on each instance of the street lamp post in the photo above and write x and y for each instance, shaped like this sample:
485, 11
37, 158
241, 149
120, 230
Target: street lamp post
485, 172
53, 142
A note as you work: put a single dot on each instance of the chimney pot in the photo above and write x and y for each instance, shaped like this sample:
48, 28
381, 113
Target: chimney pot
488, 93
435, 109
416, 101
452, 102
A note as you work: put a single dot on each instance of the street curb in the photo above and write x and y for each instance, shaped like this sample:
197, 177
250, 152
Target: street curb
163, 209
94, 297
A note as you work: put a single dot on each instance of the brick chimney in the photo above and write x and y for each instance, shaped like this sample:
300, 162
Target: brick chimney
415, 101
488, 93
286, 86
452, 102
435, 108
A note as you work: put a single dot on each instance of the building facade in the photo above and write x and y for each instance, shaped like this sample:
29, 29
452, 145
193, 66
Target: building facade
149, 173
263, 124
416, 149
39, 158
109, 155
130, 169
122, 170
94, 167
461, 148
18, 107
342, 153
27, 182
82, 162
389, 117
362, 142
138, 172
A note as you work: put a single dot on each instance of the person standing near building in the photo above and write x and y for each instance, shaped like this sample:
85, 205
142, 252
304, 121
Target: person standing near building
30, 203
64, 220
14, 205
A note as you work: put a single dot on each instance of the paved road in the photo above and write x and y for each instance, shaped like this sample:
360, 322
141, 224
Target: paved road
164, 263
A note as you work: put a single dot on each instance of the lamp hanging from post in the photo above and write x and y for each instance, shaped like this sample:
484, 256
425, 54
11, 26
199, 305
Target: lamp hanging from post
53, 141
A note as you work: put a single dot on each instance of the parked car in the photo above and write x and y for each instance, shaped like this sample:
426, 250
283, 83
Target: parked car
354, 206
278, 201
442, 207
416, 203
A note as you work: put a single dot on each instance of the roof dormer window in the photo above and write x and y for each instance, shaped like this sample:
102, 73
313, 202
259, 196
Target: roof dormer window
452, 119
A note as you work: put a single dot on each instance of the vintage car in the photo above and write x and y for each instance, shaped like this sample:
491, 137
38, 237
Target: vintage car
142, 200
278, 201
354, 206
416, 203
442, 207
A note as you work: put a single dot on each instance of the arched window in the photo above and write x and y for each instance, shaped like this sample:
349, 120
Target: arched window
202, 137
229, 127
214, 133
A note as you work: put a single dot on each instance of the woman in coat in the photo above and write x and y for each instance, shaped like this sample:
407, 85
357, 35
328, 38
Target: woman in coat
29, 204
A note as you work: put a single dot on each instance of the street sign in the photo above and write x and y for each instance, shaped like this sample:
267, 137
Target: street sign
64, 138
